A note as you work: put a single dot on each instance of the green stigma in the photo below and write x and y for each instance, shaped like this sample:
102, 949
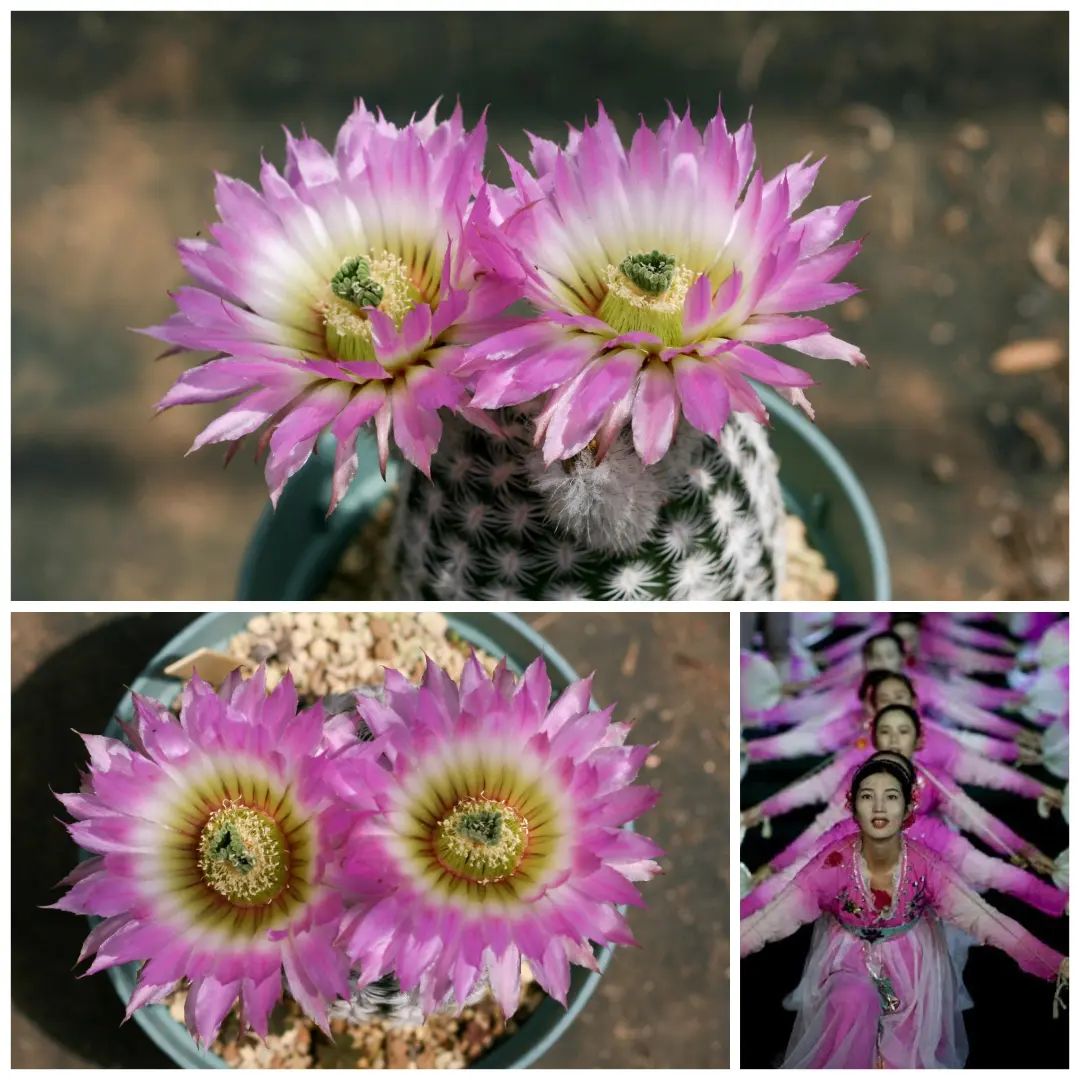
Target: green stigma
378, 280
481, 826
482, 840
242, 855
650, 271
646, 293
353, 282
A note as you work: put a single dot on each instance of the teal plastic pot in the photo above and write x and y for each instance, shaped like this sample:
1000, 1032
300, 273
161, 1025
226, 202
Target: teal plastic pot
295, 549
497, 634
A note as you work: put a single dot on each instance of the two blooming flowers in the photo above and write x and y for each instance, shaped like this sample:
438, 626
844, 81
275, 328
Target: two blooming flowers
460, 829
371, 285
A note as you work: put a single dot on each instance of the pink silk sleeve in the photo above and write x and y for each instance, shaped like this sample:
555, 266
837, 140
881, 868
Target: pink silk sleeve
961, 809
986, 697
988, 872
797, 904
823, 739
961, 657
957, 904
844, 650
970, 768
987, 745
819, 786
964, 714
965, 634
810, 839
809, 707
844, 673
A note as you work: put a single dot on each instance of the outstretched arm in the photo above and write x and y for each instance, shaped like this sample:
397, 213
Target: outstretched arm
805, 844
819, 740
818, 786
796, 905
961, 809
956, 903
971, 768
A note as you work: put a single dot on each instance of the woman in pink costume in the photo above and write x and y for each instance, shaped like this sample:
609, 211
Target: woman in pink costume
897, 729
878, 988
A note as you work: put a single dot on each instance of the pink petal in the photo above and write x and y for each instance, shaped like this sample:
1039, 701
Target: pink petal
248, 415
345, 429
655, 413
775, 329
207, 1003
619, 807
758, 365
826, 347
697, 308
600, 386
523, 377
704, 394
416, 430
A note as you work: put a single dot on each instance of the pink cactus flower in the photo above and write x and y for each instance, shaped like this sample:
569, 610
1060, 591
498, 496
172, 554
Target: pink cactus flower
660, 271
343, 293
211, 837
498, 838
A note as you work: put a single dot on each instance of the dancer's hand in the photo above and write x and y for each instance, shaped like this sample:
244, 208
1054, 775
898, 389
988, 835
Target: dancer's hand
751, 817
1038, 861
1054, 797
761, 874
1027, 755
1029, 739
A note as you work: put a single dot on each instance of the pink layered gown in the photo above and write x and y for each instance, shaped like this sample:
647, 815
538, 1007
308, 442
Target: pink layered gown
878, 988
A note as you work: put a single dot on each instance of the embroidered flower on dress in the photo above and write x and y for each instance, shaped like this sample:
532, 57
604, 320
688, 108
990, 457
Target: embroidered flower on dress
834, 858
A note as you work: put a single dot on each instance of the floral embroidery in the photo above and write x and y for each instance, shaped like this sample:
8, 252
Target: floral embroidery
846, 903
834, 858
919, 900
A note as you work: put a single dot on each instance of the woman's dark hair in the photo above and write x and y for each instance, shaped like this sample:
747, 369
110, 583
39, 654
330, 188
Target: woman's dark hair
884, 676
891, 764
871, 680
885, 635
906, 617
909, 712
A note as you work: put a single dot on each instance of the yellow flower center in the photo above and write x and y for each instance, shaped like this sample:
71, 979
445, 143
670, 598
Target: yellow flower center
380, 280
242, 855
482, 840
646, 293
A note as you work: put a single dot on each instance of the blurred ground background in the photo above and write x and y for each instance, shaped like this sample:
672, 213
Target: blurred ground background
954, 123
664, 1005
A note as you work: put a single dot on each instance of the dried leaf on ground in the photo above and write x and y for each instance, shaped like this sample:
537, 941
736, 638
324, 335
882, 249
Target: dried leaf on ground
1032, 354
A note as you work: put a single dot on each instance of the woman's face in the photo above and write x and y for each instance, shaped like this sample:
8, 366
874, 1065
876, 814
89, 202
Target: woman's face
895, 732
908, 634
892, 692
879, 806
884, 655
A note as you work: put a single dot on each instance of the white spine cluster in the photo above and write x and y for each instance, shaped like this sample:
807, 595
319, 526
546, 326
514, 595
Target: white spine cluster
610, 506
632, 581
